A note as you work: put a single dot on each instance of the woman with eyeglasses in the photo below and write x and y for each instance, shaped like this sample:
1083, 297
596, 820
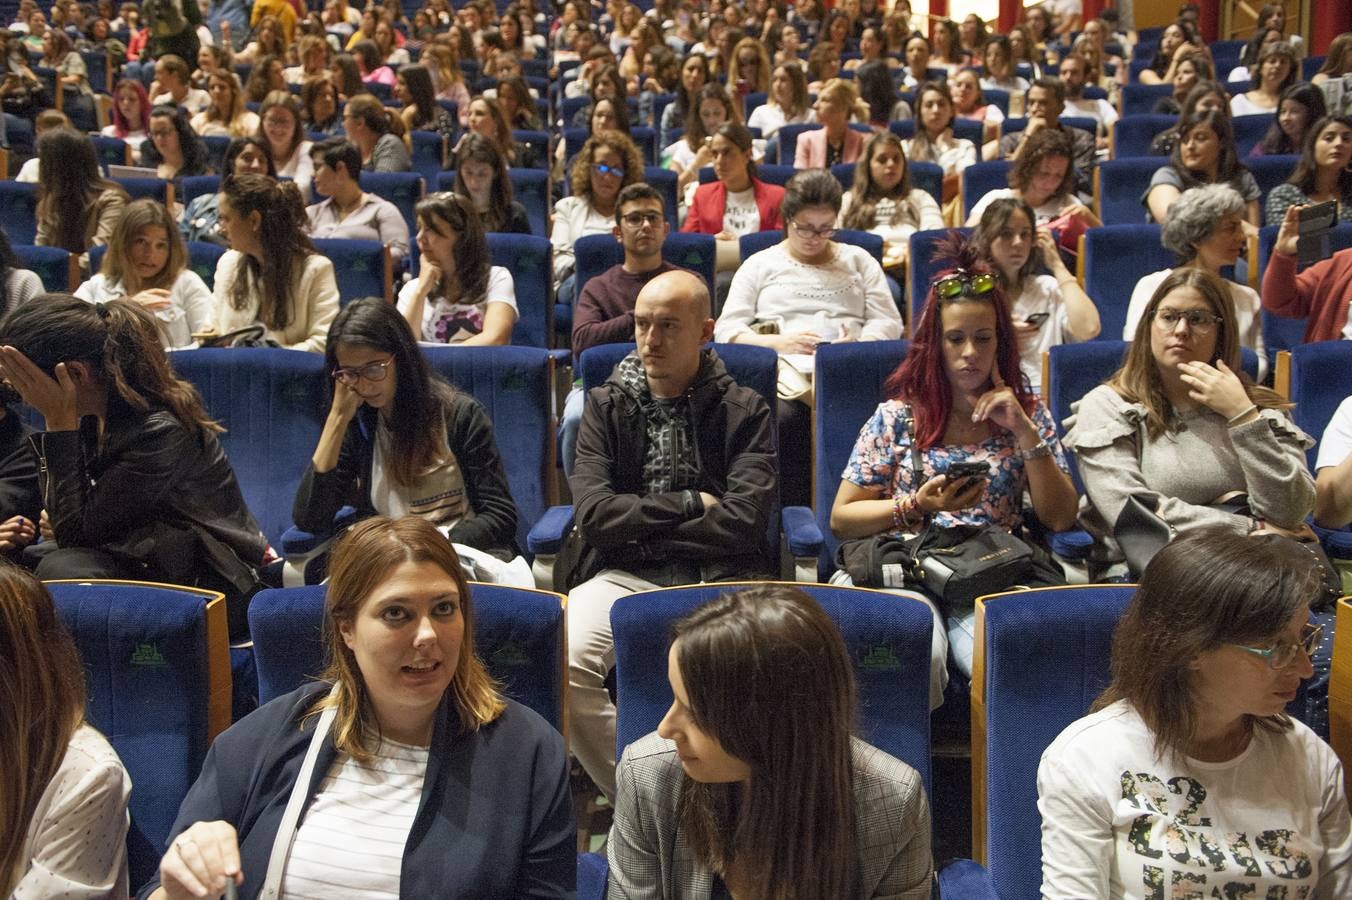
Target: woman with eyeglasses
399, 440
458, 296
798, 293
1181, 427
608, 162
1189, 768
959, 396
1204, 229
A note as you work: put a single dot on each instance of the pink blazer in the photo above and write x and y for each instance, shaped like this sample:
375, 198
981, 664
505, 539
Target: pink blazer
811, 150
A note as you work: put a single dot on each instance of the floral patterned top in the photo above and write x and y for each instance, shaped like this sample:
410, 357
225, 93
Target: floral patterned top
882, 458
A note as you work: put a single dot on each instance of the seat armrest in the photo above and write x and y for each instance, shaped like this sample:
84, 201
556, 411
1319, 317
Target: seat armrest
297, 543
801, 531
1072, 545
963, 879
546, 536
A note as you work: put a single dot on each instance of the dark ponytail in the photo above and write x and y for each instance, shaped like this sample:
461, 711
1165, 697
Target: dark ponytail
282, 223
121, 341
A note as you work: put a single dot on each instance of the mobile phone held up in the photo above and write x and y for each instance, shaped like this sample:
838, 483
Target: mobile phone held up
966, 471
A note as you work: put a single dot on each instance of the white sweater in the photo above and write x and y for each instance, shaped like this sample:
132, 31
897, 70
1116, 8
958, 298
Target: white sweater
314, 302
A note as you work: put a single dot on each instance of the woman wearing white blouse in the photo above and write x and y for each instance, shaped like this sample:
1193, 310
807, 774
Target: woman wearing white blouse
63, 825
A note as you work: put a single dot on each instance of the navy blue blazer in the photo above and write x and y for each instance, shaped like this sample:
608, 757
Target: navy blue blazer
496, 817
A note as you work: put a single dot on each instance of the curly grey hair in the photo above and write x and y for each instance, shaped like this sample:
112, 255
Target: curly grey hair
1195, 215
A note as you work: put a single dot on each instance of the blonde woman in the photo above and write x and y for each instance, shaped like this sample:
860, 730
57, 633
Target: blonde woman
444, 68
63, 822
148, 263
837, 104
226, 116
410, 731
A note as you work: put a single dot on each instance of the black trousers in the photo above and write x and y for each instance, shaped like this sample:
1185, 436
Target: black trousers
795, 452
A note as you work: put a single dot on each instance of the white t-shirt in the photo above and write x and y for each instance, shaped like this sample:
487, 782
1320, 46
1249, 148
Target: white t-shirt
769, 118
740, 215
354, 831
191, 306
1100, 111
195, 101
1248, 313
1241, 105
1040, 295
1336, 444
1117, 822
451, 323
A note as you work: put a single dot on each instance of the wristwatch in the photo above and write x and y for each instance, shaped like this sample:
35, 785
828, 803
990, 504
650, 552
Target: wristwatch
1041, 449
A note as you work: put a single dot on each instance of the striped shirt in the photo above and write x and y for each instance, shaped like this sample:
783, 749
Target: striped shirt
351, 839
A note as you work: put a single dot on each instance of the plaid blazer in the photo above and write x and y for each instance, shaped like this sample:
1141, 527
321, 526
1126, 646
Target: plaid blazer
650, 858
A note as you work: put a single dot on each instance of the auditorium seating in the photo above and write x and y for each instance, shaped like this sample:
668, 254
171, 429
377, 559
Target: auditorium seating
157, 677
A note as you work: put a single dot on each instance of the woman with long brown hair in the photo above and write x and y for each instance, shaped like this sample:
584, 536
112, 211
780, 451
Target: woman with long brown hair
138, 486
63, 810
456, 790
77, 207
753, 784
1192, 746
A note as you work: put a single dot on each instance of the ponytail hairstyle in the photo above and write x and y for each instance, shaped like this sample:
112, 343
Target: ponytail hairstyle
921, 379
42, 698
471, 248
378, 117
117, 266
285, 244
865, 194
120, 341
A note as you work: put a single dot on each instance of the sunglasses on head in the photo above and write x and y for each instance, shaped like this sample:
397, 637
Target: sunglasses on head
961, 282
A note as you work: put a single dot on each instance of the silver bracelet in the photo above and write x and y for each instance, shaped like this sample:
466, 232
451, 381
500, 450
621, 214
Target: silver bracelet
1234, 420
1041, 449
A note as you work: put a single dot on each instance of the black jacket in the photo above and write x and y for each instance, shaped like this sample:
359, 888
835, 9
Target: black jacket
638, 532
155, 494
19, 492
469, 434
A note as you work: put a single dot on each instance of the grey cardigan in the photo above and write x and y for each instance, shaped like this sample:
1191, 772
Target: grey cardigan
1189, 468
650, 858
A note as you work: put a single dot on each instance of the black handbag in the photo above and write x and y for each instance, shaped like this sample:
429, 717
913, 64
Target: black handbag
956, 565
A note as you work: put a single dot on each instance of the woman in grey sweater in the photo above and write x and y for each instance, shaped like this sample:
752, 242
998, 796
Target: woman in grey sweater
1181, 424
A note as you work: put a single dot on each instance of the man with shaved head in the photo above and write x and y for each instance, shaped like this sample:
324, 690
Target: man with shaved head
674, 483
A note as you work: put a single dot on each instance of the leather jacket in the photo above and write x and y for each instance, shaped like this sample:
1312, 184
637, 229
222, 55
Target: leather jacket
151, 493
656, 536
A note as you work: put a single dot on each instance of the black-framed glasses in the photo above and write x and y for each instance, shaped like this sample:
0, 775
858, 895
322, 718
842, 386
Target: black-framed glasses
1199, 320
1279, 656
603, 169
961, 282
639, 219
806, 231
350, 375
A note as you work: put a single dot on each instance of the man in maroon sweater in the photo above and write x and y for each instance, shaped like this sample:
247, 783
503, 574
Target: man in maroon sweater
604, 313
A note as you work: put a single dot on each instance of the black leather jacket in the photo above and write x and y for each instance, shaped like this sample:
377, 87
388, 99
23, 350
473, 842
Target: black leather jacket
154, 494
659, 535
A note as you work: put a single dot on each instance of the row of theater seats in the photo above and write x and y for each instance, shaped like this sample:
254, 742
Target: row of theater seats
159, 688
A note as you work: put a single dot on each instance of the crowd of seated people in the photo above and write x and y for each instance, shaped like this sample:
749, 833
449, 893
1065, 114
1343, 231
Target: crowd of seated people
821, 128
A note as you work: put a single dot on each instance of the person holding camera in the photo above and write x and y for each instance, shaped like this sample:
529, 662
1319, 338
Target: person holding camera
1318, 294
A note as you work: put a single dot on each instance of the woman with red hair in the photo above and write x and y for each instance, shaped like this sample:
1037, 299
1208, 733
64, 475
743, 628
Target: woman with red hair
959, 397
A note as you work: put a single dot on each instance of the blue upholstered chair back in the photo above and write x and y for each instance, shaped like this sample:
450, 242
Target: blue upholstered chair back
1042, 657
193, 186
788, 140
887, 636
1249, 132
513, 384
923, 267
51, 264
1140, 99
1115, 256
979, 179
152, 655
530, 188
146, 188
429, 155
518, 633
272, 403
528, 258
110, 151
849, 386
1321, 378
1133, 134
403, 189
18, 211
1121, 185
217, 145
593, 873
358, 267
596, 253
